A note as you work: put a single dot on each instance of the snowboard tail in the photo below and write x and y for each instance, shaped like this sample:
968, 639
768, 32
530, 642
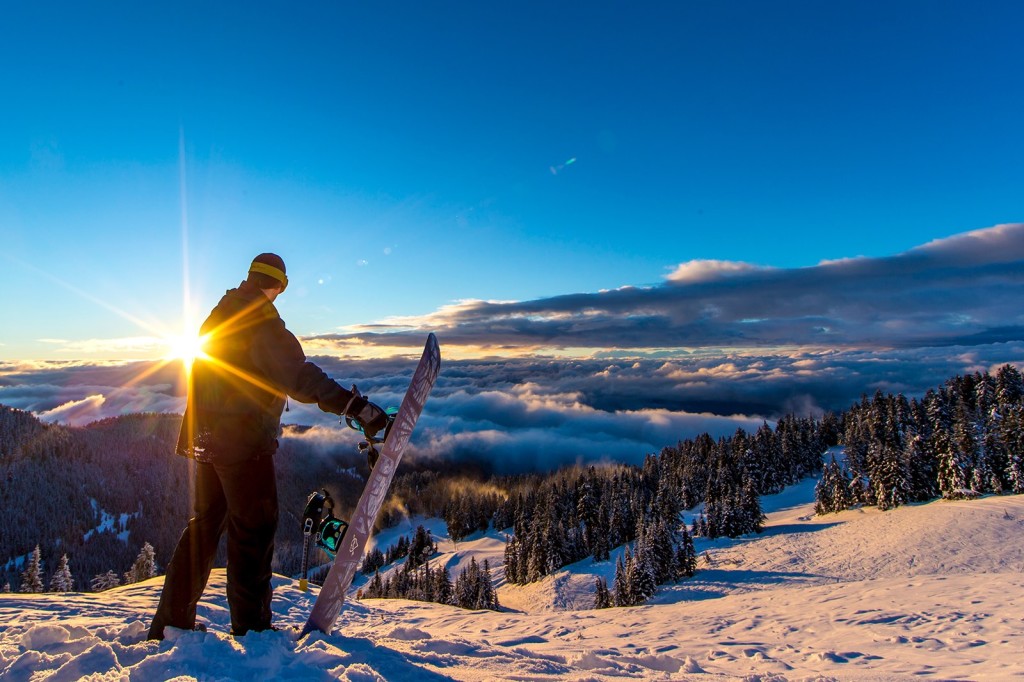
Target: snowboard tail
332, 594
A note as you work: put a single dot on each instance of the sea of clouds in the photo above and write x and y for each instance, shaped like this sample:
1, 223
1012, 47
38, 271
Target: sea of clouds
617, 374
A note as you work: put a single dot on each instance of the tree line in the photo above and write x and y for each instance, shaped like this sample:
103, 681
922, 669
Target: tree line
962, 440
473, 589
417, 549
33, 578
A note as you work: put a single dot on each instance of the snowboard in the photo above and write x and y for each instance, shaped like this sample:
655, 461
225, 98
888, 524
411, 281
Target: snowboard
332, 594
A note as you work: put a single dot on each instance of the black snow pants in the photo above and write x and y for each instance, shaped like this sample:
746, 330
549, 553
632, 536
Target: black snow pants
242, 499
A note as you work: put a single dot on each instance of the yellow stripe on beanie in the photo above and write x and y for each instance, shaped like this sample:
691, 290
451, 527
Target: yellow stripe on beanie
265, 269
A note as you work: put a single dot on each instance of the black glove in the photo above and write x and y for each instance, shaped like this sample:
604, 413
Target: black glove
370, 416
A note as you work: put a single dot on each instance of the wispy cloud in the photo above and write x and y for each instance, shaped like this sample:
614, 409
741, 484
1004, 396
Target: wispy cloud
125, 347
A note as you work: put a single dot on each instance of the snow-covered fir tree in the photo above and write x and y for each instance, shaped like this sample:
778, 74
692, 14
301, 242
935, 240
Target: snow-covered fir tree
372, 562
602, 597
686, 556
443, 589
61, 580
832, 492
643, 573
421, 548
956, 459
375, 588
32, 576
623, 585
105, 581
1012, 429
474, 588
144, 567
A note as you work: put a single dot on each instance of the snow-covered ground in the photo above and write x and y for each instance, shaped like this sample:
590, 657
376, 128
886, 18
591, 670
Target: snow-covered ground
933, 591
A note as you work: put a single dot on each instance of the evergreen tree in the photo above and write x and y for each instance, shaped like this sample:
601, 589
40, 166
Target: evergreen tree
513, 561
621, 584
32, 576
105, 581
373, 561
456, 516
644, 578
832, 493
587, 509
556, 546
397, 551
1009, 386
686, 556
537, 544
829, 430
921, 465
601, 546
889, 476
856, 439
465, 587
955, 461
753, 514
766, 448
61, 580
1013, 429
823, 501
375, 588
421, 548
700, 526
661, 544
444, 591
144, 567
489, 596
602, 597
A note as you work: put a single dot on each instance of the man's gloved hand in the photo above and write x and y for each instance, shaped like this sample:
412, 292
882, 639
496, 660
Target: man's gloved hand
372, 417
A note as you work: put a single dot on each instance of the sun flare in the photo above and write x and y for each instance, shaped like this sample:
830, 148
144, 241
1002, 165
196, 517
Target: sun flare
184, 347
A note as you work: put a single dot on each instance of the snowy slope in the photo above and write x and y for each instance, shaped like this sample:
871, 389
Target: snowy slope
924, 592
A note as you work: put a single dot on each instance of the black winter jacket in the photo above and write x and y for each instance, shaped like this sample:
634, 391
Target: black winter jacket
238, 391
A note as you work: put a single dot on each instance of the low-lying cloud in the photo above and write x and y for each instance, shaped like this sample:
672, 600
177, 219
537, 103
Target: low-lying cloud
617, 374
516, 414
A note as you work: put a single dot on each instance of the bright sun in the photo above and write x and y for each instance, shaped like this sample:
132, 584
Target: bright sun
184, 347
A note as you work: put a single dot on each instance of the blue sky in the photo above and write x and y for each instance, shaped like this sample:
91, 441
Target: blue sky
406, 156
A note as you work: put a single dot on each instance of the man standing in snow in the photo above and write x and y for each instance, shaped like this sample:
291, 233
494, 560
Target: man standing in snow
237, 392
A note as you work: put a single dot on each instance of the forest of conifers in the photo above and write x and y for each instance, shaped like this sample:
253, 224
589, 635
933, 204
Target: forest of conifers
98, 493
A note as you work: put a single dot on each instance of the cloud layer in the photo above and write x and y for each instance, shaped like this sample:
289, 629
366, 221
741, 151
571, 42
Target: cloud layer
515, 413
617, 374
963, 290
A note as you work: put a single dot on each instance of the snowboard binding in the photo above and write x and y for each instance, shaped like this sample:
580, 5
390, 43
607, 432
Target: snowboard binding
369, 446
330, 534
319, 514
329, 530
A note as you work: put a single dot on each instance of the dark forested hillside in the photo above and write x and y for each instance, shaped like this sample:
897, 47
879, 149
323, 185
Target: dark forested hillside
85, 492
100, 492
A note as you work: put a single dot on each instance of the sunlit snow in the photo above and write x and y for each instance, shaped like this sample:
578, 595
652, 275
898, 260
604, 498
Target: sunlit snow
932, 591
